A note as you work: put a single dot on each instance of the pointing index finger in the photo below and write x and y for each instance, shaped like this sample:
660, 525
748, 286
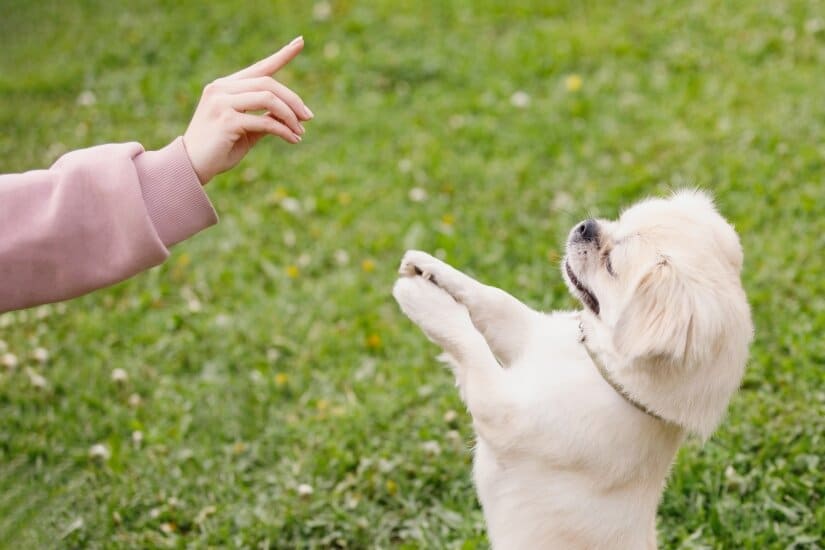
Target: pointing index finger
273, 63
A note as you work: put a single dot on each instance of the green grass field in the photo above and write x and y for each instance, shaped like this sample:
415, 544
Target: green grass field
267, 353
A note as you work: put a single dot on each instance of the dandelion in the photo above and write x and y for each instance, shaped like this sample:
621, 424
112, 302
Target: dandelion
41, 355
305, 490
368, 266
373, 341
281, 379
392, 487
292, 271
431, 448
448, 219
9, 360
341, 257
520, 99
119, 376
573, 83
99, 451
417, 194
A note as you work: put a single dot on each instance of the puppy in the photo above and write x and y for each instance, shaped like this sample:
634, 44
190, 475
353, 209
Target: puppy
578, 415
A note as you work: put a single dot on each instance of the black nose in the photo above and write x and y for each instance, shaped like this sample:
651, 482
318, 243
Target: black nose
587, 230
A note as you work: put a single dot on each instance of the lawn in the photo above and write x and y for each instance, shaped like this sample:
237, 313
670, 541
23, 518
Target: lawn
274, 395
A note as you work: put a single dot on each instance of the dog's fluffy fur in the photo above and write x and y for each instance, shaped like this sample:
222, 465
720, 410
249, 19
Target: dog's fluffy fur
562, 459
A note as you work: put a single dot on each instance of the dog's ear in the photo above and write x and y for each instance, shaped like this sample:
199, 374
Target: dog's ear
657, 322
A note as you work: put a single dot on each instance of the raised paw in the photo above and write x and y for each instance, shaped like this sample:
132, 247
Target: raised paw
431, 308
419, 263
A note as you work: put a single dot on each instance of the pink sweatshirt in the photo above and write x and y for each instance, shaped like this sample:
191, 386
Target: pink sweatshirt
96, 217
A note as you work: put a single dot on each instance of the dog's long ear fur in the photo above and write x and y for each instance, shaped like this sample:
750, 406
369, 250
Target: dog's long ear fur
657, 322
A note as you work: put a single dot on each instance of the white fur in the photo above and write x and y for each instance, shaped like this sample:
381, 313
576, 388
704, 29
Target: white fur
563, 460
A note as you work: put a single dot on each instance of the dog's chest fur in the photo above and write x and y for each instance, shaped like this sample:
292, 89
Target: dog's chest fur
578, 466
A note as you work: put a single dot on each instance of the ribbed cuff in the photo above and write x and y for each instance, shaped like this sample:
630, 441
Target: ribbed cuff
174, 197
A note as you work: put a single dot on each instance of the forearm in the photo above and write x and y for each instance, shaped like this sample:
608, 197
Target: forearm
96, 217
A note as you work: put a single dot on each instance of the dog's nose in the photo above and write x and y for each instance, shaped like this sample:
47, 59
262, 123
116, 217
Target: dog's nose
586, 231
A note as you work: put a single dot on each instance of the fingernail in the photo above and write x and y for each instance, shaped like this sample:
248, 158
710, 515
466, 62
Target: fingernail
301, 127
308, 113
296, 40
297, 138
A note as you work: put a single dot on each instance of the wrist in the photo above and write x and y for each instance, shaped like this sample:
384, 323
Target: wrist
204, 175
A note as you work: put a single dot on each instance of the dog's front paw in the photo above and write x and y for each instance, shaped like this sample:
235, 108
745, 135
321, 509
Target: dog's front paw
420, 263
430, 307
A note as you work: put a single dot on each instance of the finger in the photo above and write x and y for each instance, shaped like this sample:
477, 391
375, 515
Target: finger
273, 63
266, 83
266, 125
254, 101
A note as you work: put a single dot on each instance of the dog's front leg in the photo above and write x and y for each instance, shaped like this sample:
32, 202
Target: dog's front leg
503, 320
484, 386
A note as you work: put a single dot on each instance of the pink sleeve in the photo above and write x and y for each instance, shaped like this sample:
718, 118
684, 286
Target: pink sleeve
96, 217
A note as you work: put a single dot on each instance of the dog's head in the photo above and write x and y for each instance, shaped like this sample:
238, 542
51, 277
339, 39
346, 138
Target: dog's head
665, 279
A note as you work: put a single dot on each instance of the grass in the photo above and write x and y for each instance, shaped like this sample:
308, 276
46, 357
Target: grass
267, 353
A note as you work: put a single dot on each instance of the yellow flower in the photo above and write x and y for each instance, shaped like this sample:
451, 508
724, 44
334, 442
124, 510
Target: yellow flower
573, 83
373, 341
368, 266
292, 271
344, 198
448, 219
392, 487
239, 447
281, 379
322, 405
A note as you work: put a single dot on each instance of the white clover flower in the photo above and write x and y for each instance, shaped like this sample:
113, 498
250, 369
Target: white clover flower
194, 305
41, 355
417, 194
134, 400
404, 165
86, 98
431, 448
450, 416
520, 99
305, 490
9, 360
291, 205
321, 11
36, 380
119, 376
137, 437
289, 238
304, 260
331, 50
341, 257
99, 451
453, 436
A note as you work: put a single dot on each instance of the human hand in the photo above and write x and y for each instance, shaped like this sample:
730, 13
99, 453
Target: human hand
223, 130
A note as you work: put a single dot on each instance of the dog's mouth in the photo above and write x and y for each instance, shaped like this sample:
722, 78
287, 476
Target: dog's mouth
585, 294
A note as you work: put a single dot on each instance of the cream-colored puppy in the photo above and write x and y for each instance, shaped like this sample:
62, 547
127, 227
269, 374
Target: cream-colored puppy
579, 414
